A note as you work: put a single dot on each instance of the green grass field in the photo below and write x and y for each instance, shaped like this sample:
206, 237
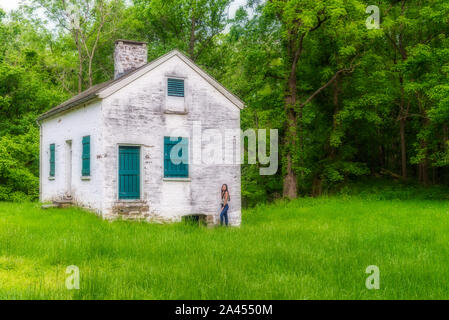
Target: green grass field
305, 249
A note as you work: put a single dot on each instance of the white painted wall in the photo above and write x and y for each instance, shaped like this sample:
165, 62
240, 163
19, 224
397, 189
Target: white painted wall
86, 120
136, 114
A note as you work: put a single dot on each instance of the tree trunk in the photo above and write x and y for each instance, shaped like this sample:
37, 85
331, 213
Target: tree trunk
317, 187
434, 175
403, 148
192, 34
332, 149
290, 189
425, 174
381, 153
402, 119
424, 165
80, 62
290, 181
90, 72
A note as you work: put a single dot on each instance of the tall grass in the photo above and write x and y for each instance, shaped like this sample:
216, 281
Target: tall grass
304, 249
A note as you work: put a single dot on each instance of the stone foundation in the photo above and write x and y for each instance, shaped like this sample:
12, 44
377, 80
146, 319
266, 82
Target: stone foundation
140, 210
201, 218
131, 210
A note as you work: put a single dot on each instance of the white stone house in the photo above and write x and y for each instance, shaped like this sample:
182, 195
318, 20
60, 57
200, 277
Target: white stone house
106, 148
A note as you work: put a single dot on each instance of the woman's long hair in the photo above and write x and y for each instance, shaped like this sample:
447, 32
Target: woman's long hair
226, 190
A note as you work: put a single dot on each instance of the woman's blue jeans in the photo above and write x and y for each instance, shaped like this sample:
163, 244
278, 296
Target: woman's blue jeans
224, 214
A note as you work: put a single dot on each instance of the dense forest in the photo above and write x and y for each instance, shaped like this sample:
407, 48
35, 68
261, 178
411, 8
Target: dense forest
350, 99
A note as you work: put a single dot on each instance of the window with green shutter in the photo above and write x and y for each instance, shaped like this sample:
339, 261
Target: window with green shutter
52, 160
176, 157
85, 171
175, 87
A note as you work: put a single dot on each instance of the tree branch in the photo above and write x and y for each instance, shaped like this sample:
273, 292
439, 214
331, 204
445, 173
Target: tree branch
395, 45
345, 70
320, 22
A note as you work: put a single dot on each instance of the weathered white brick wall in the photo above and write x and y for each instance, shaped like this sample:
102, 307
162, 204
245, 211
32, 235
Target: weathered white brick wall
138, 114
73, 126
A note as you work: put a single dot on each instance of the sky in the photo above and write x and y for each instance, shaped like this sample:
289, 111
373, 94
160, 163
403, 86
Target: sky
8, 5
233, 7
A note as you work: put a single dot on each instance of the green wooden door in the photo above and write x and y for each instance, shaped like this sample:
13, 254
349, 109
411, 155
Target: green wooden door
129, 172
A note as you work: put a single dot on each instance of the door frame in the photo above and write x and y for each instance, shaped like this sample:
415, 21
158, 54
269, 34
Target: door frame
68, 167
117, 176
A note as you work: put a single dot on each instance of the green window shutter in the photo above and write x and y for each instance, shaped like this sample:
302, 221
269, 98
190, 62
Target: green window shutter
183, 169
178, 170
175, 87
85, 171
129, 172
52, 160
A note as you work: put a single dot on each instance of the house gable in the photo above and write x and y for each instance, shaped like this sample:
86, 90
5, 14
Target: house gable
105, 92
107, 88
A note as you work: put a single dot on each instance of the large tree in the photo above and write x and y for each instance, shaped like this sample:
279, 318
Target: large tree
89, 22
300, 21
189, 25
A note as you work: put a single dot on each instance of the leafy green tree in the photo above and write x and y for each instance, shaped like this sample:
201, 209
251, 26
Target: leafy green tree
89, 22
348, 100
189, 25
300, 23
28, 86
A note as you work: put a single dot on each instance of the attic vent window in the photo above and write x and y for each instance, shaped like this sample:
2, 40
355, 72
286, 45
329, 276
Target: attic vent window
175, 87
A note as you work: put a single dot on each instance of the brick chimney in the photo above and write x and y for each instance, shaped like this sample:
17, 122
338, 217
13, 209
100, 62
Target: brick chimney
128, 56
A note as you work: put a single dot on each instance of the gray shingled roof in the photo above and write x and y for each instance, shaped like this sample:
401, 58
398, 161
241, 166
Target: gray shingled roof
84, 96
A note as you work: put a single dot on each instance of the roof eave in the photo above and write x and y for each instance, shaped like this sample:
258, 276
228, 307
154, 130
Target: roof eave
51, 113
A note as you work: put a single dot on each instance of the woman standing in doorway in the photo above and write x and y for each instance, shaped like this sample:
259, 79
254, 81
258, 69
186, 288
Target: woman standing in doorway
225, 198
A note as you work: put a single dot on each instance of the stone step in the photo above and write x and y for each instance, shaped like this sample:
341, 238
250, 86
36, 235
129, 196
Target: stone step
64, 203
48, 206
